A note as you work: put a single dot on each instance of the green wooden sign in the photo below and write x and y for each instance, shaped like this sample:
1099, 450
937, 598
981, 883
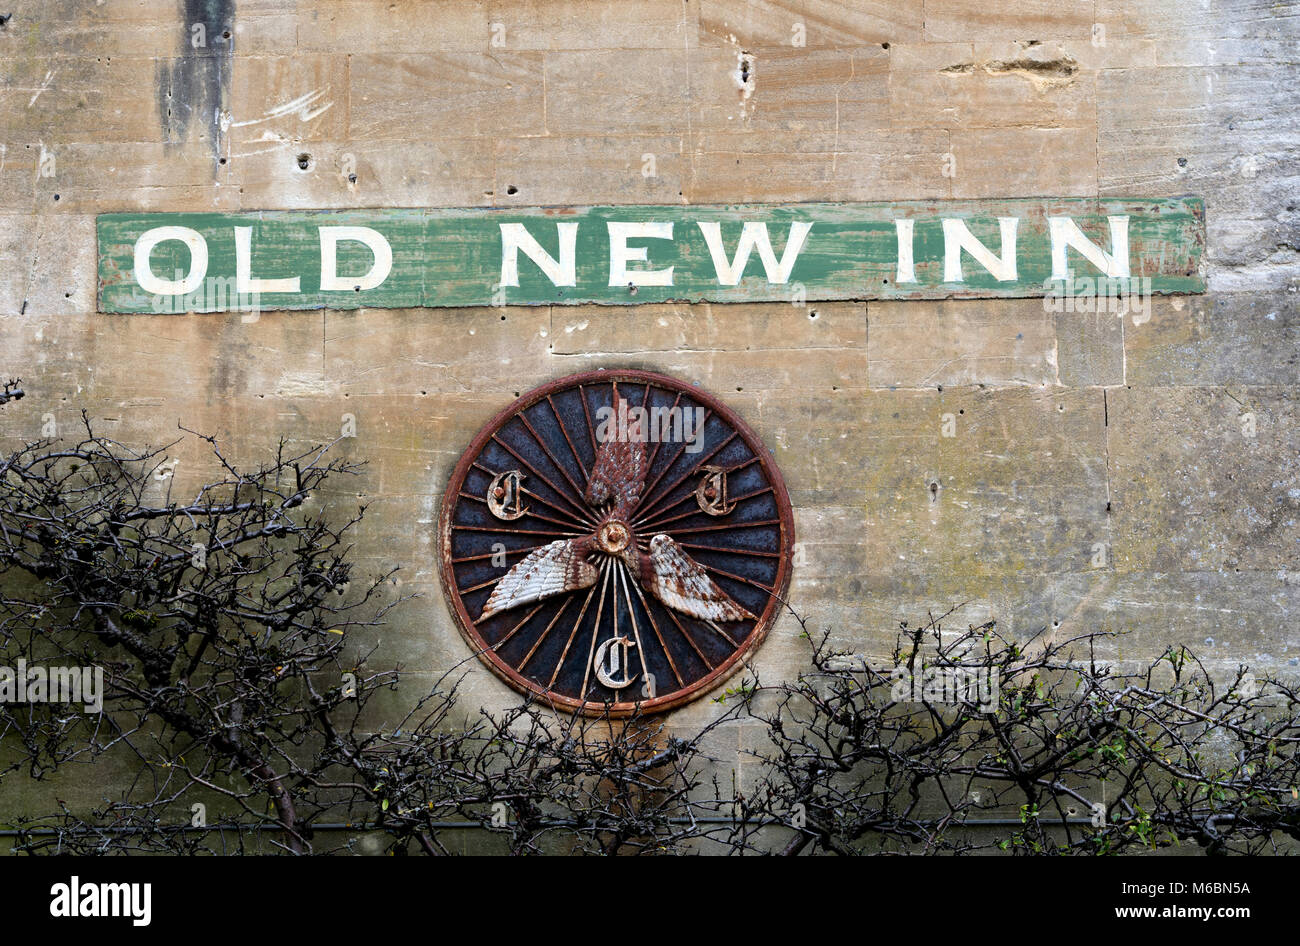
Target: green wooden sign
209, 262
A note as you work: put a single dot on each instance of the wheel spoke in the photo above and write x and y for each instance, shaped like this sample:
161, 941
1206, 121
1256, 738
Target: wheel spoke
577, 506
664, 494
528, 515
662, 643
559, 510
658, 524
523, 416
677, 456
564, 430
542, 636
595, 632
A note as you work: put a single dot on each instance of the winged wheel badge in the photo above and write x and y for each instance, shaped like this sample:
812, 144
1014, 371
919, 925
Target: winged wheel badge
616, 566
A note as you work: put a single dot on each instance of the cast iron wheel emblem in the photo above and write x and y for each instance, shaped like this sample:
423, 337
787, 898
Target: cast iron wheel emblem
615, 539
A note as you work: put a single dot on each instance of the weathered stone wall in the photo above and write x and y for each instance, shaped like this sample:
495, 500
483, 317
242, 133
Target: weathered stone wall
1100, 475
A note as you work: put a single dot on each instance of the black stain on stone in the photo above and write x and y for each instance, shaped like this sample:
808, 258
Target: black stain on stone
193, 88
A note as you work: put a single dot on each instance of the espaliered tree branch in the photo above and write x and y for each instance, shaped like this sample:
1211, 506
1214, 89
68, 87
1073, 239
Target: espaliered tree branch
968, 739
218, 621
538, 781
11, 391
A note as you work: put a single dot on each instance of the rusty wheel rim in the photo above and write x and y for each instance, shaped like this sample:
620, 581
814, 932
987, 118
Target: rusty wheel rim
737, 526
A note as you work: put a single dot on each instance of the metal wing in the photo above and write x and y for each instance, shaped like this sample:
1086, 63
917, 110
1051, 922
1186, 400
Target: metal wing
620, 468
681, 583
551, 570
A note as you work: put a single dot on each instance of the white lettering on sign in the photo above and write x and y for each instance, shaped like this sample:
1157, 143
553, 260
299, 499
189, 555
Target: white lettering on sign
1066, 233
620, 254
851, 257
561, 272
244, 281
331, 237
906, 271
957, 237
753, 236
171, 287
